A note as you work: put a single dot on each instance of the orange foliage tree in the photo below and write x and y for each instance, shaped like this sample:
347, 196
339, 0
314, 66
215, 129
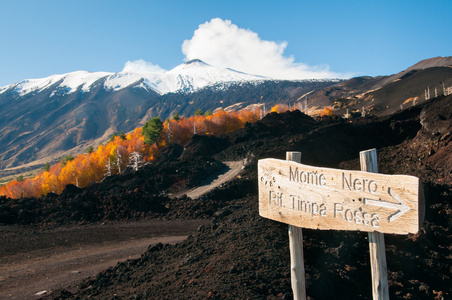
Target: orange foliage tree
217, 123
84, 169
327, 111
91, 167
279, 108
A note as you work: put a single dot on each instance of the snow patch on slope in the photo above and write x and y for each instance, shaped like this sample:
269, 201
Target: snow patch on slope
162, 83
83, 79
31, 85
70, 82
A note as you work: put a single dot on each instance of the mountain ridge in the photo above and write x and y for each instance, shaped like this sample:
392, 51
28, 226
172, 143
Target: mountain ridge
52, 120
187, 77
384, 95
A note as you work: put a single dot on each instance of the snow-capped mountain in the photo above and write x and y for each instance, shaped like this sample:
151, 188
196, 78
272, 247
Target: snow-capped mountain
187, 77
43, 119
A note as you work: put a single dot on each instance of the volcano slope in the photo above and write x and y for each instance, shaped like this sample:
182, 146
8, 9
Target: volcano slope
243, 256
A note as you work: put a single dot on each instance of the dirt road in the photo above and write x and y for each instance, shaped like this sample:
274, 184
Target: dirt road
32, 263
234, 169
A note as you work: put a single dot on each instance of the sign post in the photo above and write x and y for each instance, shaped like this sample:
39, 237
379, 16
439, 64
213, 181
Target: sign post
297, 272
379, 270
333, 199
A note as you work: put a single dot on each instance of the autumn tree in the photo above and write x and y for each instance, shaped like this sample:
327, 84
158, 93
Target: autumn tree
327, 111
144, 142
279, 108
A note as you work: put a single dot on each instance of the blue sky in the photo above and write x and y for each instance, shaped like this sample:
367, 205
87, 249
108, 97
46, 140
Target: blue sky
319, 38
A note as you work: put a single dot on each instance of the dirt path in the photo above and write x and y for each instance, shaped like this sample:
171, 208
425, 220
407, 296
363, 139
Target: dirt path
34, 263
234, 169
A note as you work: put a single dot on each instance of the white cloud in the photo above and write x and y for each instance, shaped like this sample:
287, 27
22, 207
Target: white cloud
223, 44
141, 66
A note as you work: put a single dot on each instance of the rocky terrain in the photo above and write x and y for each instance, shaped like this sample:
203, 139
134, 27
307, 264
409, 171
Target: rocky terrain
384, 95
243, 256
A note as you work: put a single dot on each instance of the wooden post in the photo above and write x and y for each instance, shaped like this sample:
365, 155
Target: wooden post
297, 272
379, 270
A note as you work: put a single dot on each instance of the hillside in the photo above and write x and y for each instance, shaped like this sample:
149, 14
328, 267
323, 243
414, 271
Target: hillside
38, 128
383, 95
241, 255
44, 119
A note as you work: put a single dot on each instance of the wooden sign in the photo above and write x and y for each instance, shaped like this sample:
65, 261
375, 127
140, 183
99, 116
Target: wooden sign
324, 198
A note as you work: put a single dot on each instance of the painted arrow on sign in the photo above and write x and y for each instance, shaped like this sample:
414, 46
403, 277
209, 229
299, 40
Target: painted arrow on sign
401, 206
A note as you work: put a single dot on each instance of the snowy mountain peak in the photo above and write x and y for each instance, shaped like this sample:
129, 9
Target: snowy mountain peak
187, 77
193, 66
196, 62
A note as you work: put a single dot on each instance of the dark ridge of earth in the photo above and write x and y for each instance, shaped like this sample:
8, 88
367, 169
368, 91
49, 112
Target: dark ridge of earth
244, 256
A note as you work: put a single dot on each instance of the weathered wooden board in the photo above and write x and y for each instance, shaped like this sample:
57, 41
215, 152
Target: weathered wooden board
324, 198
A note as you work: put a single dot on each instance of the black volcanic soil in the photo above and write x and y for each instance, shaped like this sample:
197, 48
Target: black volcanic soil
243, 256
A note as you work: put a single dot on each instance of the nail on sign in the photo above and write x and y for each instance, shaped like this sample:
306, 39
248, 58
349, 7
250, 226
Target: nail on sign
324, 198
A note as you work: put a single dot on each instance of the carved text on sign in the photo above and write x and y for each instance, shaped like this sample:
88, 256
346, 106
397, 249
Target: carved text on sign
323, 198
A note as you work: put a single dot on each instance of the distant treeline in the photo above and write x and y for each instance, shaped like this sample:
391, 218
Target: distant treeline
131, 150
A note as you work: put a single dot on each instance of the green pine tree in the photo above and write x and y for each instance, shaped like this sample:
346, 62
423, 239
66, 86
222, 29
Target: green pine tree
65, 159
152, 130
